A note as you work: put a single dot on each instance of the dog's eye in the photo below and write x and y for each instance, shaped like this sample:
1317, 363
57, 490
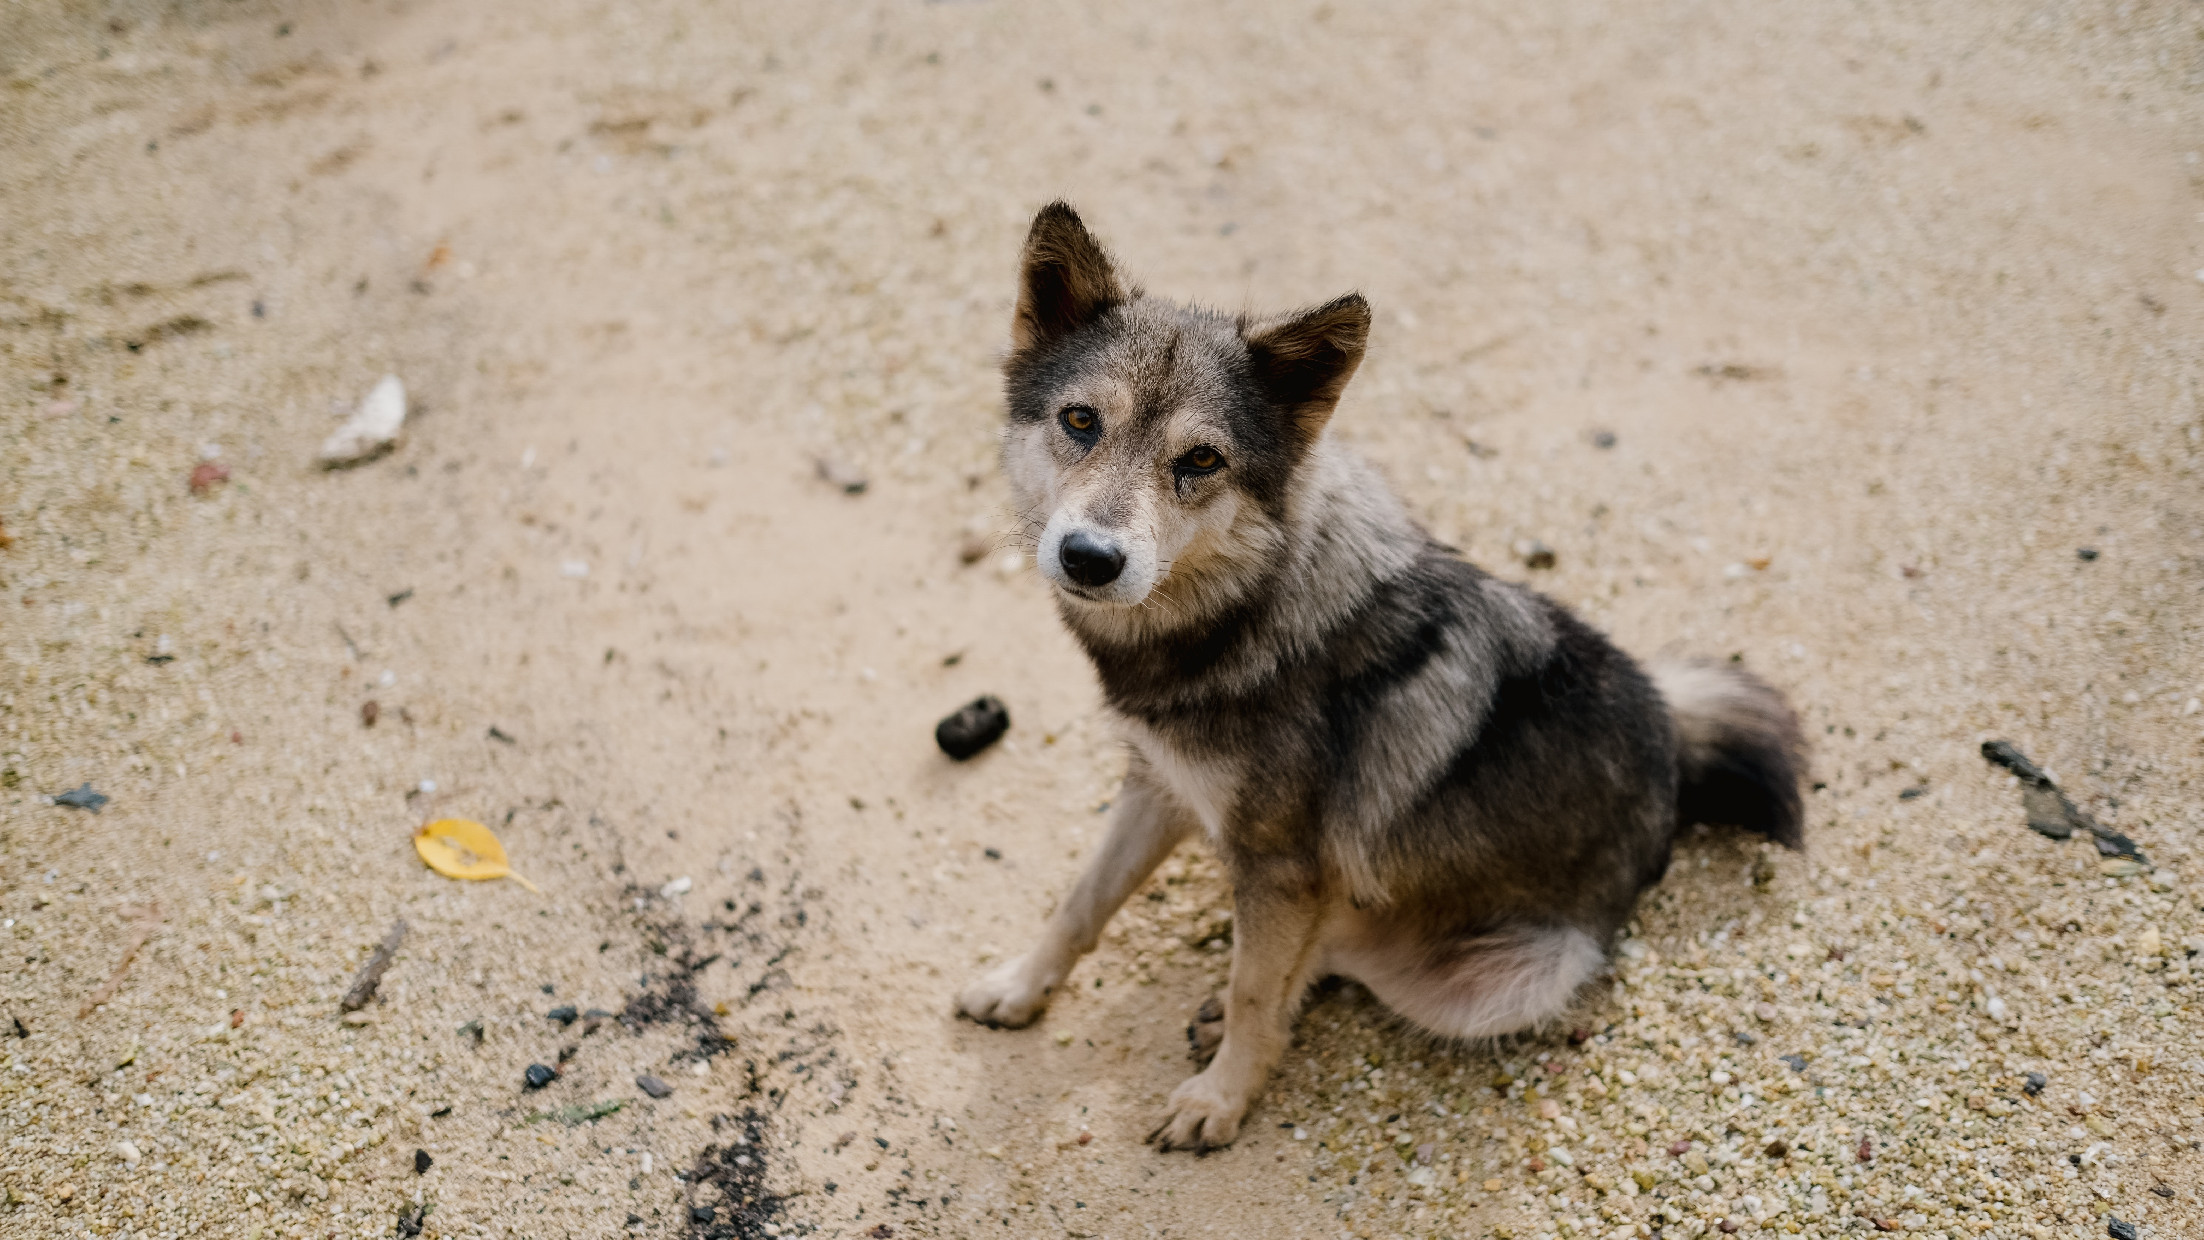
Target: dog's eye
1202, 460
1083, 423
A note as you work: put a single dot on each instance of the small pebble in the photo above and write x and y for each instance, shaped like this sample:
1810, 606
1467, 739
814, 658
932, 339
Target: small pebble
207, 475
370, 711
973, 727
676, 887
2086, 553
993, 854
539, 1076
422, 1162
2119, 1229
564, 1014
701, 1214
2036, 1082
128, 1152
371, 429
653, 1086
1797, 1062
841, 475
1677, 1149
82, 797
1777, 1149
1534, 554
1603, 439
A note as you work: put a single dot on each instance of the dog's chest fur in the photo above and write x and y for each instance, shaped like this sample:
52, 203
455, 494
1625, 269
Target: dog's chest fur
1207, 786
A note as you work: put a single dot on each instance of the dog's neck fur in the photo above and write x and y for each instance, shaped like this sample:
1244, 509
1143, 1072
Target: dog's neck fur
1304, 569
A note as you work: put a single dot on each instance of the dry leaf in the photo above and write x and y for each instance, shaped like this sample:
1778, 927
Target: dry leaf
464, 848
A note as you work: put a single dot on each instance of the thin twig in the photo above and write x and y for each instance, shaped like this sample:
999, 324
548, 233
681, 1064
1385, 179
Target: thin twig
145, 919
371, 973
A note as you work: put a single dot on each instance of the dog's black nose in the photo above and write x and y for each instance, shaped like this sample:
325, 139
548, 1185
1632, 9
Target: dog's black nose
1090, 561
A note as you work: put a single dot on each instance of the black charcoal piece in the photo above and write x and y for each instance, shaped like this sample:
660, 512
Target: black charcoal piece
972, 728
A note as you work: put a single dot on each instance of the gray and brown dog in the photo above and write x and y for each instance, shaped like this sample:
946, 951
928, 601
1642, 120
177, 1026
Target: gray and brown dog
1439, 784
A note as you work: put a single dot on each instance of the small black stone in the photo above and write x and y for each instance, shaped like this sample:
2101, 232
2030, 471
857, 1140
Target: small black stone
564, 1014
973, 727
1913, 792
2119, 1229
549, 989
2162, 1191
2086, 554
539, 1076
82, 796
422, 1162
994, 854
701, 1214
1797, 1062
653, 1086
1603, 439
2036, 1082
882, 1142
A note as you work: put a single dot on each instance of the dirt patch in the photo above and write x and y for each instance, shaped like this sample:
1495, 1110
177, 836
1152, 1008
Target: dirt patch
729, 1198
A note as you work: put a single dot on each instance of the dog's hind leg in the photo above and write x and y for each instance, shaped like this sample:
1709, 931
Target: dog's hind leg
1501, 981
1146, 826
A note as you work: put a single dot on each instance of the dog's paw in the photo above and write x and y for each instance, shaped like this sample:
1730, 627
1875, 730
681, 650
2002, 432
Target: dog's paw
1204, 1113
1206, 1030
1011, 995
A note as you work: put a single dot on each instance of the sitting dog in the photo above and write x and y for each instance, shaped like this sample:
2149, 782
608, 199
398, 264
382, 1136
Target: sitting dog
1436, 783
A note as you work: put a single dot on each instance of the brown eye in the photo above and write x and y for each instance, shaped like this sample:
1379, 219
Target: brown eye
1079, 420
1202, 460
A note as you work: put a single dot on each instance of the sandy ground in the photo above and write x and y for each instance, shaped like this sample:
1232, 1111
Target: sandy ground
1889, 310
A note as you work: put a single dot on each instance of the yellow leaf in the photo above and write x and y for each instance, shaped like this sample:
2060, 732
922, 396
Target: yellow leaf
463, 848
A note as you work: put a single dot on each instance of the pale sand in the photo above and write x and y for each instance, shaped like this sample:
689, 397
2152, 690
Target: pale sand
1890, 308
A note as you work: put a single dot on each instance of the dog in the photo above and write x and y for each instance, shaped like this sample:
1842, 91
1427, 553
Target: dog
1417, 776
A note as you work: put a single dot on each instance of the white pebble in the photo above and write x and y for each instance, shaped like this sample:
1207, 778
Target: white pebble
372, 427
128, 1152
678, 886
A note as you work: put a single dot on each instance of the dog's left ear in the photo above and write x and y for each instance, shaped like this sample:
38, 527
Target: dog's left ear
1303, 360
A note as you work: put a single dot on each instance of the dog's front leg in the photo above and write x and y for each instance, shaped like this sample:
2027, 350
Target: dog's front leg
1146, 826
1274, 949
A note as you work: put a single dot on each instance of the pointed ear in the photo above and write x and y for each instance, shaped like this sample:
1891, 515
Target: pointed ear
1303, 360
1066, 283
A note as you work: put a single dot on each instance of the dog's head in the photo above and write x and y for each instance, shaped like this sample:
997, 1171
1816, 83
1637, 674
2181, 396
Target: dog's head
1152, 448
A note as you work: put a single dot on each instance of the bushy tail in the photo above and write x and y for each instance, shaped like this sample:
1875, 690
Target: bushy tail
1740, 753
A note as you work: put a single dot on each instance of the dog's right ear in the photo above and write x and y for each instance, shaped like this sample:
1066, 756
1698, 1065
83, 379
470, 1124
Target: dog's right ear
1067, 281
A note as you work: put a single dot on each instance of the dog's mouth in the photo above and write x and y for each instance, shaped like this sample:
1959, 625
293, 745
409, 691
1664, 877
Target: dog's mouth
1102, 597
